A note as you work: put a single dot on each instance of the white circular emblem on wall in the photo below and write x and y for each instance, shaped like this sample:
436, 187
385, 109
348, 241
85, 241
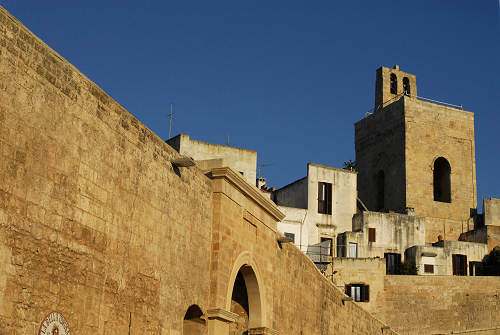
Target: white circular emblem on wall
54, 324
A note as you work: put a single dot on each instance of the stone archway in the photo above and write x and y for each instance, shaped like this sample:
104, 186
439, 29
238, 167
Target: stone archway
245, 296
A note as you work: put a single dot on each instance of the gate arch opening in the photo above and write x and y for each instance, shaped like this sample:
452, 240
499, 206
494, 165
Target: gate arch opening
245, 296
193, 323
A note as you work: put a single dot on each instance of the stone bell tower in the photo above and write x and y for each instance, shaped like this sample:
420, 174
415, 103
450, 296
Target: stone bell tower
417, 155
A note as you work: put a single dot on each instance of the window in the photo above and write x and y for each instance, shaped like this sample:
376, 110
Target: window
324, 198
406, 86
330, 245
392, 263
442, 183
428, 268
371, 235
459, 263
290, 236
353, 250
394, 84
358, 292
380, 187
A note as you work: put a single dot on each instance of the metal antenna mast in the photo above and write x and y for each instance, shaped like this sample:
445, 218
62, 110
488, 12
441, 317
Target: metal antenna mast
261, 166
170, 116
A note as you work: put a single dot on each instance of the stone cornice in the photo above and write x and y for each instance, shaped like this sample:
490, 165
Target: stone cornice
221, 314
251, 191
262, 331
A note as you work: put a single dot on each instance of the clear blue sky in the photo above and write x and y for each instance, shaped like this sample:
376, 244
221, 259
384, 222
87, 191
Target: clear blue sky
285, 78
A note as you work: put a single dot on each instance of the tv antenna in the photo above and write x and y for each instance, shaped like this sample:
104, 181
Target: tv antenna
171, 117
261, 166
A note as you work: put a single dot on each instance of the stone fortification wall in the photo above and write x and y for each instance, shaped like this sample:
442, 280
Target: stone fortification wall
441, 304
298, 283
93, 219
97, 224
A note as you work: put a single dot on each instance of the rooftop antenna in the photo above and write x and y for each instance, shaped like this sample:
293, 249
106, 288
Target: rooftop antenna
170, 116
227, 139
261, 166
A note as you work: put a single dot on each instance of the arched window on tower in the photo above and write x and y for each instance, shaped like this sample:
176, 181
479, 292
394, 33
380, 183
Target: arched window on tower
394, 84
406, 86
442, 182
380, 185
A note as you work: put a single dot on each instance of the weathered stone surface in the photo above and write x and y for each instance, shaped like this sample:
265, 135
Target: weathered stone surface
439, 305
98, 225
403, 139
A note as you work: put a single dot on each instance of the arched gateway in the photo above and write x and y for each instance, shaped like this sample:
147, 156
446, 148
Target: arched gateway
245, 296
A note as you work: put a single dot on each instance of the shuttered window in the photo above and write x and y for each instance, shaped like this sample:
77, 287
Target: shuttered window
459, 263
428, 268
324, 198
371, 235
358, 292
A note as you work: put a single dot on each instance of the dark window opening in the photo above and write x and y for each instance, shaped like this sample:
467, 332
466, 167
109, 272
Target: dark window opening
406, 86
394, 84
392, 263
290, 236
358, 292
442, 182
459, 263
428, 268
371, 235
329, 251
380, 186
474, 268
324, 198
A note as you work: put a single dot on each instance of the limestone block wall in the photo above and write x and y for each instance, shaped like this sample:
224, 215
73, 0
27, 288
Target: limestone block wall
383, 93
295, 298
93, 219
368, 271
434, 131
440, 304
491, 212
380, 146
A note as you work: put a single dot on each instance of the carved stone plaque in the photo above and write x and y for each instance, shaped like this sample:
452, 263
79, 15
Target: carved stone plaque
54, 324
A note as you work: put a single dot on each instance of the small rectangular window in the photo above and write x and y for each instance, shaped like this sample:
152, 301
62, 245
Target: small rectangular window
371, 235
358, 292
428, 268
290, 236
324, 198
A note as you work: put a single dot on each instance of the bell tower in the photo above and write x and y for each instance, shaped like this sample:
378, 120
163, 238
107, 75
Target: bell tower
391, 84
415, 155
